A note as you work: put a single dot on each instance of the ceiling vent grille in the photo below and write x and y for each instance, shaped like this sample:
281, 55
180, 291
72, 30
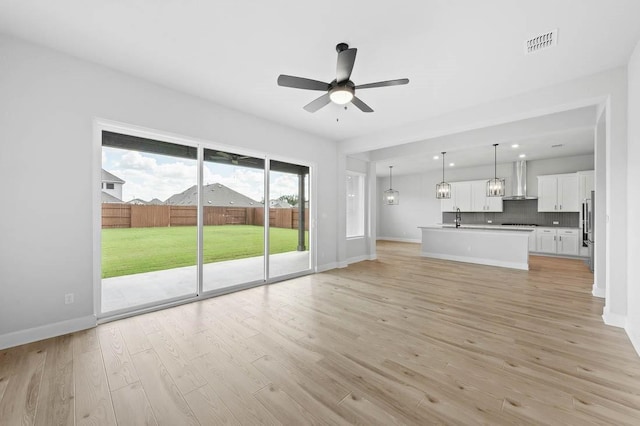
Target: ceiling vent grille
541, 42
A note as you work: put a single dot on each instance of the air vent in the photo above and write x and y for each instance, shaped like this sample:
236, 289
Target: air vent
558, 145
541, 42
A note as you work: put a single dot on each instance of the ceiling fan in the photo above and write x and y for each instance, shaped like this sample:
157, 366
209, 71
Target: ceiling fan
227, 157
341, 90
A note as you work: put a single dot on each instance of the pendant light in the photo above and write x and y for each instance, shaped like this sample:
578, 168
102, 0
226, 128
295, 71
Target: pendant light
443, 189
391, 197
495, 186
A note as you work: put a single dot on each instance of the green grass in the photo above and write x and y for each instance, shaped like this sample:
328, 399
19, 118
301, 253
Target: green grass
129, 251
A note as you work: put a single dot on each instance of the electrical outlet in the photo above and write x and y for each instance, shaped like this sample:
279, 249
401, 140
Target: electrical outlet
68, 298
489, 221
555, 222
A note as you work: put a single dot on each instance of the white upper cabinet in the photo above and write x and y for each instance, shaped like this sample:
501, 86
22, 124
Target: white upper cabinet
463, 196
558, 193
471, 196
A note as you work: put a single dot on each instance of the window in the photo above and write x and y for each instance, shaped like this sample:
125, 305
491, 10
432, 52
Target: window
355, 205
110, 186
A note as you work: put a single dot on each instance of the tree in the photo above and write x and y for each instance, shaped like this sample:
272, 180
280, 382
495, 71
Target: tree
291, 199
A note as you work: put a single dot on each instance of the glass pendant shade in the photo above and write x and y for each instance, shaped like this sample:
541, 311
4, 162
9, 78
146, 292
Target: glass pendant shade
443, 189
390, 197
495, 186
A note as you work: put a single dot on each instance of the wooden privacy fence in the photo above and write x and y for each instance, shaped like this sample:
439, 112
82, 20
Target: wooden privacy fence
118, 215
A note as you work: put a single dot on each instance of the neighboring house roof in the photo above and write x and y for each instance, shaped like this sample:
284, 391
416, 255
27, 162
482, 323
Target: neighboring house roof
138, 201
108, 198
155, 202
109, 177
214, 194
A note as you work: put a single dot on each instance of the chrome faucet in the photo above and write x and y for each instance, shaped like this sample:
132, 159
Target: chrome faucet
458, 218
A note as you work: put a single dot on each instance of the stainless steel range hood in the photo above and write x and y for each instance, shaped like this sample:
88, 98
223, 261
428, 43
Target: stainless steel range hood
519, 183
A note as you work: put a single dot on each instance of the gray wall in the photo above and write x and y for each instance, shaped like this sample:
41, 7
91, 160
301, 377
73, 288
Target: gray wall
46, 128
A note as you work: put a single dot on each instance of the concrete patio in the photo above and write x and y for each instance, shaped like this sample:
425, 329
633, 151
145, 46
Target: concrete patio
139, 289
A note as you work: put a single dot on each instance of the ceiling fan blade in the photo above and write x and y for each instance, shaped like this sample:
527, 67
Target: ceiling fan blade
384, 83
318, 103
361, 105
346, 59
301, 83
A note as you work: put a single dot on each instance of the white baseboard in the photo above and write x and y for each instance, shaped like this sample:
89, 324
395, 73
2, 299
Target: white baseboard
34, 334
634, 336
598, 292
327, 267
615, 320
400, 240
364, 257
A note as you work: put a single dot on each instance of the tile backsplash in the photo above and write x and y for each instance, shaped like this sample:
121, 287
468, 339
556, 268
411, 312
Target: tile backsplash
518, 211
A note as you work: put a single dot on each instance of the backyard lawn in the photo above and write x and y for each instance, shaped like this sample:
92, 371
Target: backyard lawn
127, 251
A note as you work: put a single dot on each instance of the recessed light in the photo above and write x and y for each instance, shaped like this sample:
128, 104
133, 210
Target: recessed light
436, 157
452, 164
515, 145
522, 155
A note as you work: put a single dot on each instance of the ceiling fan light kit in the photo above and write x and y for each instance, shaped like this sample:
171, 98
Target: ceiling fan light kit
341, 95
340, 91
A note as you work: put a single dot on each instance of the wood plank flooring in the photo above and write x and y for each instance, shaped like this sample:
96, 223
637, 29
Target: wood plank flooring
399, 340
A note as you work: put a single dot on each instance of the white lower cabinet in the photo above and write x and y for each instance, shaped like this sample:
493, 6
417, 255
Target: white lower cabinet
558, 241
546, 240
568, 242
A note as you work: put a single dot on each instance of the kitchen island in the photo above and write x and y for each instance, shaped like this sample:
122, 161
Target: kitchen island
507, 248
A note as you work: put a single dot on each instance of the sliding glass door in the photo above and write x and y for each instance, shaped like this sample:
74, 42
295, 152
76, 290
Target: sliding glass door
288, 219
233, 220
149, 222
182, 221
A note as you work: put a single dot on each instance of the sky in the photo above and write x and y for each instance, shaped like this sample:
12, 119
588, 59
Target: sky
149, 176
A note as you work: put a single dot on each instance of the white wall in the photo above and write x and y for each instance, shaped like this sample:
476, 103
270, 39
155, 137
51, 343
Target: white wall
600, 234
419, 206
633, 195
359, 248
49, 102
555, 166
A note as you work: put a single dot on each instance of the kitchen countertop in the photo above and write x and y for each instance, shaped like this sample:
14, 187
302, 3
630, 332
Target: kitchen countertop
482, 227
500, 227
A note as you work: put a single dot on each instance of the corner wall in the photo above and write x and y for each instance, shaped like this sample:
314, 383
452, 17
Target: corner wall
633, 200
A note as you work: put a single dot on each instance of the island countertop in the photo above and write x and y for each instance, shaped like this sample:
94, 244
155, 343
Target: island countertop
500, 228
504, 247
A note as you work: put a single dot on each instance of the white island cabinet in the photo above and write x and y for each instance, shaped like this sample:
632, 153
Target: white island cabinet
508, 248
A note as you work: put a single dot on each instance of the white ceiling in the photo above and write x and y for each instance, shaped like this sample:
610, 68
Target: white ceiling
537, 138
456, 53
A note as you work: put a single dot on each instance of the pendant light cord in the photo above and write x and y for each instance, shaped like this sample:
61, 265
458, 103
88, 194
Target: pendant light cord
390, 179
495, 161
443, 153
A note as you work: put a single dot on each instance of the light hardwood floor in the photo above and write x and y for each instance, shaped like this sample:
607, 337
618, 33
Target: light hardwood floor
400, 340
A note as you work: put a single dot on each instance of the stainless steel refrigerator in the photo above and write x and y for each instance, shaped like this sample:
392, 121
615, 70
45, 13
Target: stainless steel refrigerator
589, 218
